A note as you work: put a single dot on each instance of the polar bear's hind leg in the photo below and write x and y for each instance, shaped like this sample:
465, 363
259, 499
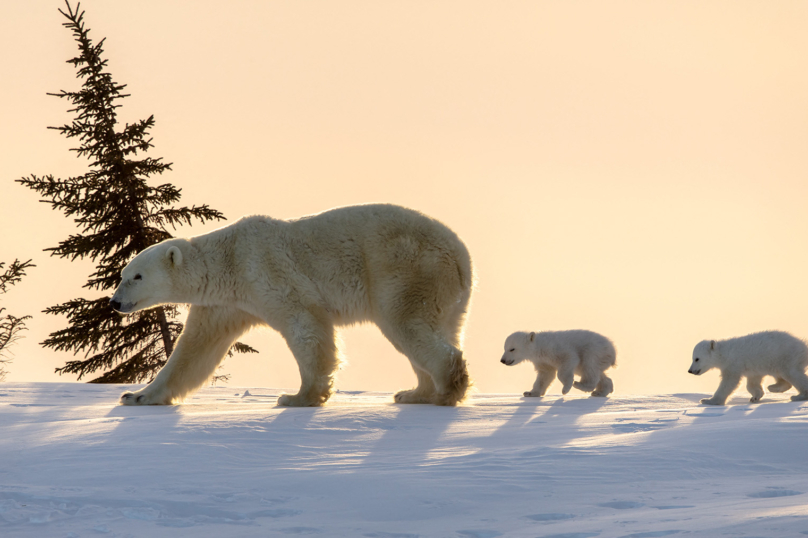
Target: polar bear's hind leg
424, 393
780, 385
798, 378
604, 388
590, 375
436, 359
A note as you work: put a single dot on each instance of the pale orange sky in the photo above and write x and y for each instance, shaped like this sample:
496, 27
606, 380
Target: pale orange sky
635, 168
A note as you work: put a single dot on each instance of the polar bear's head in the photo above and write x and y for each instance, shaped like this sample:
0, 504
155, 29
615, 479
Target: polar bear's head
703, 357
518, 348
167, 272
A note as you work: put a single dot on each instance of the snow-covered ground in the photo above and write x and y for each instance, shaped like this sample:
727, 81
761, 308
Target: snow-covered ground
229, 463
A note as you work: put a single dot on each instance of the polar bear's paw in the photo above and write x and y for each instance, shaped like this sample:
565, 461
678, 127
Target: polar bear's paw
145, 397
600, 393
296, 400
712, 401
413, 396
532, 394
781, 386
585, 387
800, 397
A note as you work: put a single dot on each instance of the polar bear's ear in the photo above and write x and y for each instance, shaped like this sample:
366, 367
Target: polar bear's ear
532, 336
174, 255
712, 344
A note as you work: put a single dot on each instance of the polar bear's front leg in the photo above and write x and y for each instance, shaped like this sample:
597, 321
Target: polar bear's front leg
310, 336
729, 382
753, 385
566, 374
209, 332
545, 376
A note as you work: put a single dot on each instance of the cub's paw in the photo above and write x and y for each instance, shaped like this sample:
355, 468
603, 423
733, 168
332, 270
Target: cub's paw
754, 399
589, 387
600, 393
711, 401
531, 394
799, 397
781, 386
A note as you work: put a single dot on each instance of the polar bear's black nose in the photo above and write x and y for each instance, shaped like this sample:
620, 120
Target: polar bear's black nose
116, 305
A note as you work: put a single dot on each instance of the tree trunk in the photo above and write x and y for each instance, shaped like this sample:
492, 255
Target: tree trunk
167, 343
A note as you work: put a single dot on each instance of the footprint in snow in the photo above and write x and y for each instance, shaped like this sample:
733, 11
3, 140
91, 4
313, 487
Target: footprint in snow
768, 494
622, 505
673, 506
300, 530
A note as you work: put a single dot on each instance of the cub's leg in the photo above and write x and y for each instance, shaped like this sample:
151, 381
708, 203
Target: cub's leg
753, 385
545, 376
566, 374
590, 374
780, 385
208, 334
798, 378
605, 386
310, 336
729, 382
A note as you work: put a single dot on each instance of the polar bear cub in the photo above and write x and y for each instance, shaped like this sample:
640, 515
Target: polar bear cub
564, 353
773, 353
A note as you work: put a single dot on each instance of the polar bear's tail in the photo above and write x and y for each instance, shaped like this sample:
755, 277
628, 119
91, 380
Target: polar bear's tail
459, 381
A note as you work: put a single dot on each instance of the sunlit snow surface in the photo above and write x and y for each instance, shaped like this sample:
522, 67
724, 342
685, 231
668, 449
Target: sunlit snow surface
229, 463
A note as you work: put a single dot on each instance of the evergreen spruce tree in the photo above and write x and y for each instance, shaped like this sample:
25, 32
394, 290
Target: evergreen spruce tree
10, 326
118, 214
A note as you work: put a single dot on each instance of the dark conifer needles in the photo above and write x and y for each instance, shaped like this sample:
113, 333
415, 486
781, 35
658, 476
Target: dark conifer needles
118, 215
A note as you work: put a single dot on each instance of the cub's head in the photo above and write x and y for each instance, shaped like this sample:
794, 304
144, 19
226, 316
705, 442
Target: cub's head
517, 347
162, 273
703, 357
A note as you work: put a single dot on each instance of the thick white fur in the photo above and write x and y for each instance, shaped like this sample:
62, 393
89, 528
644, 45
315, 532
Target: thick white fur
385, 264
564, 353
773, 353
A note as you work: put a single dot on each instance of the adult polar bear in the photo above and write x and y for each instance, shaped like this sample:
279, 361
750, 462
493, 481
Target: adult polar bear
406, 272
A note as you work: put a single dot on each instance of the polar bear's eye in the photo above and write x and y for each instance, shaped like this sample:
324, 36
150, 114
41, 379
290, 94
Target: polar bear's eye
512, 349
138, 277
697, 359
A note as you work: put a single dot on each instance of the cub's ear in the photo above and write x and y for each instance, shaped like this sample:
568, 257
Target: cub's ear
174, 255
712, 344
532, 336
